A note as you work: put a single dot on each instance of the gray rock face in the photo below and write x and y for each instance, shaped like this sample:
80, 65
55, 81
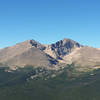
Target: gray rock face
64, 47
37, 45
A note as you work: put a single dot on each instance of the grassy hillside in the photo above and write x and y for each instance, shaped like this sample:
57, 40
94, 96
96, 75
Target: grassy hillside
14, 86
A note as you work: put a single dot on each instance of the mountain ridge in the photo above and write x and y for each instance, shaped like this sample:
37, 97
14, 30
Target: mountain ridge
61, 53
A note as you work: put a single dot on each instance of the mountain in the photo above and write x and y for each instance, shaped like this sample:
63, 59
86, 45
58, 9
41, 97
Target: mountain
33, 53
68, 51
29, 52
65, 70
61, 53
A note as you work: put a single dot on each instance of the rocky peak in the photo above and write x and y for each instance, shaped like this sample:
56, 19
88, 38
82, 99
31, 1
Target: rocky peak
62, 48
67, 43
36, 44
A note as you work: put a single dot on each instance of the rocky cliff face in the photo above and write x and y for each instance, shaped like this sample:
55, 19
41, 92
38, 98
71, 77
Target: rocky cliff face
62, 48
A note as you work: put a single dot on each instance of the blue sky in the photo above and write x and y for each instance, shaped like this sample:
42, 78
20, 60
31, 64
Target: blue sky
48, 21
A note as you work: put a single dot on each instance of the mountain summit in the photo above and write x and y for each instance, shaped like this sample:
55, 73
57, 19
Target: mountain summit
62, 48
